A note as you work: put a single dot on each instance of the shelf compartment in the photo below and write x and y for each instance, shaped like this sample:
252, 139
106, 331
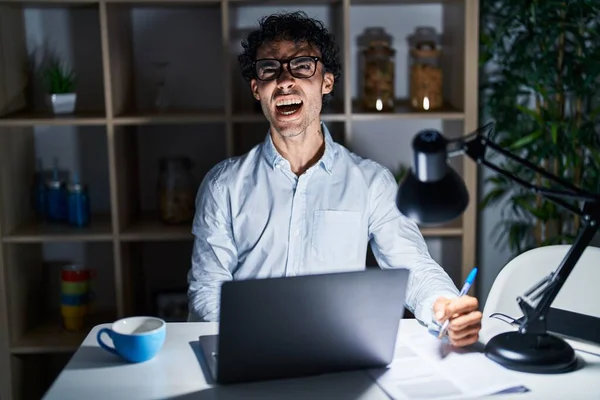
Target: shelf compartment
157, 269
33, 374
400, 19
34, 271
402, 110
80, 151
139, 56
71, 32
138, 153
51, 337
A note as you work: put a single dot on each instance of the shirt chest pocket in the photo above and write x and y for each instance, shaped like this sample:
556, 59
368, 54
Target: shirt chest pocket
336, 236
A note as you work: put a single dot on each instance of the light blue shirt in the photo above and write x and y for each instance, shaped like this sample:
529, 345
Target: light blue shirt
256, 219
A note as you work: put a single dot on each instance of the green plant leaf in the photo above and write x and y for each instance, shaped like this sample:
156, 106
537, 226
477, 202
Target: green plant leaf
530, 112
554, 133
57, 77
493, 197
524, 141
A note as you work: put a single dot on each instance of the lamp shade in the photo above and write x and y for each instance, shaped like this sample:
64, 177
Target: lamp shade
431, 192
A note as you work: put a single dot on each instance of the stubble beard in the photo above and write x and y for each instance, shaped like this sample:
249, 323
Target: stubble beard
294, 131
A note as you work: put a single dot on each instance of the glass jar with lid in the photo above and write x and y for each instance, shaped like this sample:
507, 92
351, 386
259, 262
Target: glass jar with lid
176, 190
425, 70
378, 81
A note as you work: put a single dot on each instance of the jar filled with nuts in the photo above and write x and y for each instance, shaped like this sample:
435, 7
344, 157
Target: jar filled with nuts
176, 190
425, 70
378, 71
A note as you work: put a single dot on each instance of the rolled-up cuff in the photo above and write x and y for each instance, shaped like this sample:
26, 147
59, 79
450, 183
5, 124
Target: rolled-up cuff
424, 311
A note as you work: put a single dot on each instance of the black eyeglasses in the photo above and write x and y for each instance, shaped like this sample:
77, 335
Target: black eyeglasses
302, 67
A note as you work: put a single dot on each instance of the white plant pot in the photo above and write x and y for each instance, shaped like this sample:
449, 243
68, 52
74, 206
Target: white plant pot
63, 103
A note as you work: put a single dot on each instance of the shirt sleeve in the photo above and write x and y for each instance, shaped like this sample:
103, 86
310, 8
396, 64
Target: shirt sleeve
397, 242
214, 254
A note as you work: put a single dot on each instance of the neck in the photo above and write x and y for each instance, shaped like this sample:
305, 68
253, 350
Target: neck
302, 151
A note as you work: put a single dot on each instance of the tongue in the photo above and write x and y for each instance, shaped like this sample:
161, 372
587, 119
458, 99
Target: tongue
289, 108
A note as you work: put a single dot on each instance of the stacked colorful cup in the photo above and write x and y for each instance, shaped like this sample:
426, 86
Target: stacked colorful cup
75, 296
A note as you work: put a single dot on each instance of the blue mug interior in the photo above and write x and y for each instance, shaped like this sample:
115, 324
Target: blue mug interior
136, 339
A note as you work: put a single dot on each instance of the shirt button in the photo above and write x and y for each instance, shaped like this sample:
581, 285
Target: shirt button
277, 165
296, 232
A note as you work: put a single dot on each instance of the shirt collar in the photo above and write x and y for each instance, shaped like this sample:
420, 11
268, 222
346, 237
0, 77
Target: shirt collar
274, 158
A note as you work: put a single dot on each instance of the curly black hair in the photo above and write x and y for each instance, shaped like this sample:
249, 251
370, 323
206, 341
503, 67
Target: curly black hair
296, 27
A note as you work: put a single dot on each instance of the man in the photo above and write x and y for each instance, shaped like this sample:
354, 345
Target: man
299, 203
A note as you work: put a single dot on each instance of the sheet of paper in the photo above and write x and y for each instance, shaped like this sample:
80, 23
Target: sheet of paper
427, 368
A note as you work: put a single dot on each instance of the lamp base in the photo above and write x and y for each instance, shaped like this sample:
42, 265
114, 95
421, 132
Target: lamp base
538, 354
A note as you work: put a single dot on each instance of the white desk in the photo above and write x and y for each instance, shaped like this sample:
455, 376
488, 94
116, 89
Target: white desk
177, 373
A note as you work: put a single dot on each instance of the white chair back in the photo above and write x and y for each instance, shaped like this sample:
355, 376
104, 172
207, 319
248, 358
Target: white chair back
580, 293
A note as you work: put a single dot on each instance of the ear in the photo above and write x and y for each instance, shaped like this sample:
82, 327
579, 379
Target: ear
327, 85
254, 87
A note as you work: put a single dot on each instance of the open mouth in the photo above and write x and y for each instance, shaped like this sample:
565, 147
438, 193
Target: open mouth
288, 106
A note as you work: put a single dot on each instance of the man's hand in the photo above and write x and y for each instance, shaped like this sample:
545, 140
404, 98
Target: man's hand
465, 319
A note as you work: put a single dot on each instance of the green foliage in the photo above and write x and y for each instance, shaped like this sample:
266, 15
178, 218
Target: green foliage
401, 172
542, 89
58, 78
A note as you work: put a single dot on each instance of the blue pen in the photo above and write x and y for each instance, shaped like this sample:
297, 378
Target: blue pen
463, 291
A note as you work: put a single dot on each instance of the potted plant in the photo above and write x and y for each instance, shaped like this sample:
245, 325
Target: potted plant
60, 86
542, 89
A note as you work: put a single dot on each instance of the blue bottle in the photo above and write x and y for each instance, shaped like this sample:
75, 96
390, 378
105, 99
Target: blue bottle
78, 205
56, 201
56, 197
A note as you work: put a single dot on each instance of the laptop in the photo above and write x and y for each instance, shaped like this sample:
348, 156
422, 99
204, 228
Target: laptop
298, 326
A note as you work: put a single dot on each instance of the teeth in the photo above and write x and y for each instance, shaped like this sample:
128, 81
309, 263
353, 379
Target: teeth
288, 102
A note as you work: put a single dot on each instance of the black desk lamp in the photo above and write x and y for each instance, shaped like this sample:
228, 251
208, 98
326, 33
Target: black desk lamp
432, 193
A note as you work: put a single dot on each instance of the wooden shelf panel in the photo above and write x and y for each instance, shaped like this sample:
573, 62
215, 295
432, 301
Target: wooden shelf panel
451, 229
28, 118
403, 110
150, 228
100, 229
170, 117
51, 337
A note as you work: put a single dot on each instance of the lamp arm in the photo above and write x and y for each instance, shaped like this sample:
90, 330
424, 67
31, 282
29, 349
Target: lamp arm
550, 194
475, 147
535, 314
536, 301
